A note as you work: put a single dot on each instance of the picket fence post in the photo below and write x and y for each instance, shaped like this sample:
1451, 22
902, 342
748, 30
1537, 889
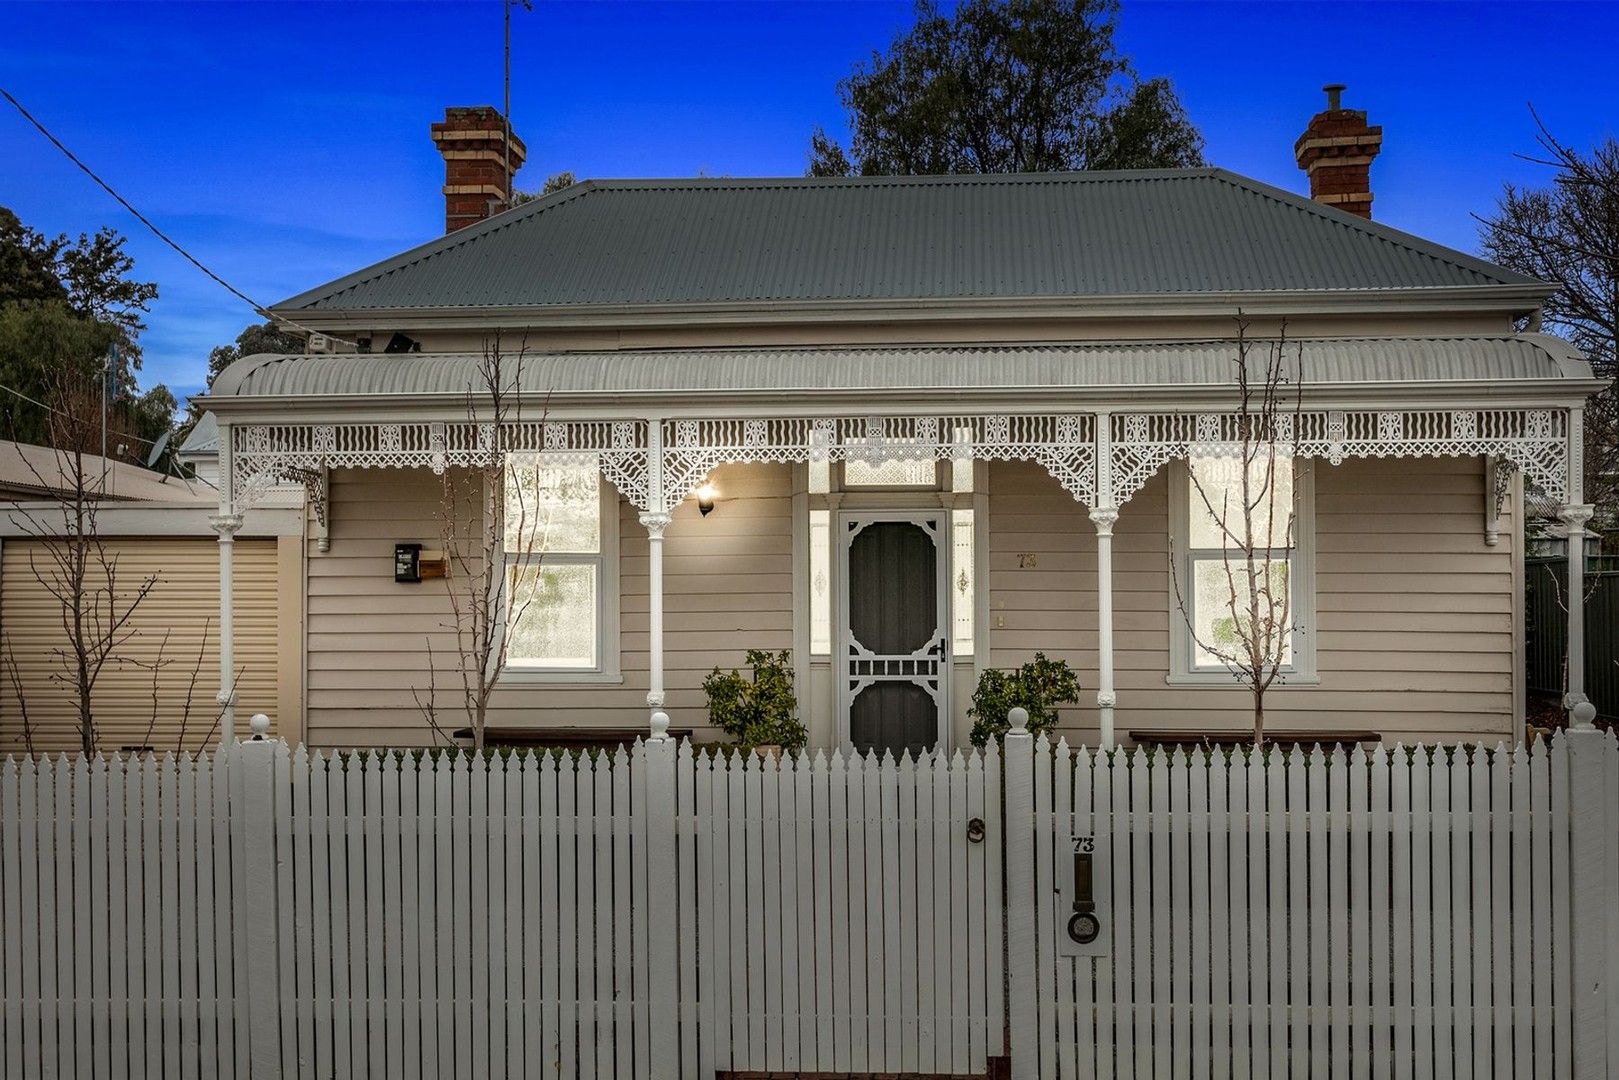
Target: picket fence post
1594, 869
1024, 1045
663, 920
253, 842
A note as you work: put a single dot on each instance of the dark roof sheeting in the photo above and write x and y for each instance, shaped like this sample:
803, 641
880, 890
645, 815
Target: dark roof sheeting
1048, 235
789, 370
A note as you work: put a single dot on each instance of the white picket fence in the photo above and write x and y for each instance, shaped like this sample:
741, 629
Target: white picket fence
1385, 913
648, 913
657, 913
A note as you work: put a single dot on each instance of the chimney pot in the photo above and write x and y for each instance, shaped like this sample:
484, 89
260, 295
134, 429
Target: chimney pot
1336, 150
476, 183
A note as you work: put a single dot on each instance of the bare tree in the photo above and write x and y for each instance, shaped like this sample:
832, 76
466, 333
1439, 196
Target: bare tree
69, 561
491, 536
1241, 489
1568, 233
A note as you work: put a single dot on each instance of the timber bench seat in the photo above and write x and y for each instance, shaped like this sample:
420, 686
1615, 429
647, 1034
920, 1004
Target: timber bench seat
1240, 737
567, 738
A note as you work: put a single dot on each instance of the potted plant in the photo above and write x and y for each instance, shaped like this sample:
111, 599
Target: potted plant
1038, 686
760, 712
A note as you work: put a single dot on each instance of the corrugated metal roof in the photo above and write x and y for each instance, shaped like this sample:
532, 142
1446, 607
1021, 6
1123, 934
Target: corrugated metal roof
203, 437
1171, 231
789, 370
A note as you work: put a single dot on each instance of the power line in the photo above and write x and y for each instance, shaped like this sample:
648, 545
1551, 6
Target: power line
59, 412
258, 308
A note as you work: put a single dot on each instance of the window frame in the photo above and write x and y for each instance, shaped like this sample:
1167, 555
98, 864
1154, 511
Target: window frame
1183, 667
607, 668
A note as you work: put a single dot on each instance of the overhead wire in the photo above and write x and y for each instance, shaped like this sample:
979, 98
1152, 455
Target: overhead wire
258, 308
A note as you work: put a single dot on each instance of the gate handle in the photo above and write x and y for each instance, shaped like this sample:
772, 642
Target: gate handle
975, 831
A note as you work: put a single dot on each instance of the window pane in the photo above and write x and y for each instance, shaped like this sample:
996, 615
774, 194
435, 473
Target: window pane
961, 582
1214, 498
553, 616
820, 569
1219, 625
552, 507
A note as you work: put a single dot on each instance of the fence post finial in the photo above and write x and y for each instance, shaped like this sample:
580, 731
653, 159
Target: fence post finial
1018, 718
260, 726
660, 726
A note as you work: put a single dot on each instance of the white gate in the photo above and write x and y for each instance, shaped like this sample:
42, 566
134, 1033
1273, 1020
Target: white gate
1404, 913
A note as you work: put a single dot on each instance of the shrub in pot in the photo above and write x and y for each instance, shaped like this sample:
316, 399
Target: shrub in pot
1039, 686
761, 711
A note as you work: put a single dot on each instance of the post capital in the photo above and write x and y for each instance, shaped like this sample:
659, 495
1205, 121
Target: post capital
1104, 518
1575, 515
225, 524
1106, 699
655, 521
654, 699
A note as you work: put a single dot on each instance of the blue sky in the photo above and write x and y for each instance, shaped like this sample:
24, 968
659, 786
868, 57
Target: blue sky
286, 144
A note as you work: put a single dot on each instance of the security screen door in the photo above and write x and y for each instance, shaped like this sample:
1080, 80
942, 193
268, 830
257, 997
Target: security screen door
894, 646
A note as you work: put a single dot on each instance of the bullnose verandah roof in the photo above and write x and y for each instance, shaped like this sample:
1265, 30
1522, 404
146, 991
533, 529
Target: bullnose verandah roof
1499, 361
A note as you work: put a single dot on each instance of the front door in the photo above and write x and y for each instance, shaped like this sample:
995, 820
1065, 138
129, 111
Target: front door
894, 659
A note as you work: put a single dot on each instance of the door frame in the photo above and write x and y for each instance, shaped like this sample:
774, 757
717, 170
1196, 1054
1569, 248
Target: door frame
938, 519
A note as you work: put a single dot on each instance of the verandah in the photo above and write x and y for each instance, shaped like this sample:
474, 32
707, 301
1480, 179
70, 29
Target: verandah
1100, 458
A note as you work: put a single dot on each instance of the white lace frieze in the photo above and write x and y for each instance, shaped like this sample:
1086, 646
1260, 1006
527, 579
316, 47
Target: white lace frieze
265, 454
1065, 444
1534, 441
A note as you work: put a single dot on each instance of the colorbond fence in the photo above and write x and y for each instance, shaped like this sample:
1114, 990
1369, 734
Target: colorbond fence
1546, 630
655, 913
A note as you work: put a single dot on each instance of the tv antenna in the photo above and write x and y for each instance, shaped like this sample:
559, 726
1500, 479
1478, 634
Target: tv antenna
506, 110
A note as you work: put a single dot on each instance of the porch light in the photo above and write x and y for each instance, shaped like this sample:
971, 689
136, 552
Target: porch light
705, 499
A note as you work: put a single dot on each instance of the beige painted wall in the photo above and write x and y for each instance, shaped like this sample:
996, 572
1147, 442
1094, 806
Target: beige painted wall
727, 587
177, 624
1414, 611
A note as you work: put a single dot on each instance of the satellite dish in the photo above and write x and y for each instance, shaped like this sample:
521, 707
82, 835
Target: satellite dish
158, 447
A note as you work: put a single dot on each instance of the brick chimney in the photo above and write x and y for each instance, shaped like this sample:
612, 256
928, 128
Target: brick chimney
476, 185
1337, 151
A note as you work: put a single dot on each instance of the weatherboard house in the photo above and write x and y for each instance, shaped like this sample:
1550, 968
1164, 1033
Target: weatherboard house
937, 424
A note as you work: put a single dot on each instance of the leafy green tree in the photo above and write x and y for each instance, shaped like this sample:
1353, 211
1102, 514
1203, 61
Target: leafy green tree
1568, 233
265, 337
64, 305
552, 183
27, 263
1003, 86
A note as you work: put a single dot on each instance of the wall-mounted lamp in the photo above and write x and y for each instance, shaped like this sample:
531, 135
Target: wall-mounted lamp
705, 499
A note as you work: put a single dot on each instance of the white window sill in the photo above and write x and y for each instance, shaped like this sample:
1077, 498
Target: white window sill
543, 677
1225, 678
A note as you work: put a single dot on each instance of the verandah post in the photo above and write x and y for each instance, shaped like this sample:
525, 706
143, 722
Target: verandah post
660, 831
253, 843
1104, 515
1022, 1021
225, 523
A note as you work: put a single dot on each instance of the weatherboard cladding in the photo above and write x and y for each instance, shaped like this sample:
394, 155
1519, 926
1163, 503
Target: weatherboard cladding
1325, 361
613, 242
